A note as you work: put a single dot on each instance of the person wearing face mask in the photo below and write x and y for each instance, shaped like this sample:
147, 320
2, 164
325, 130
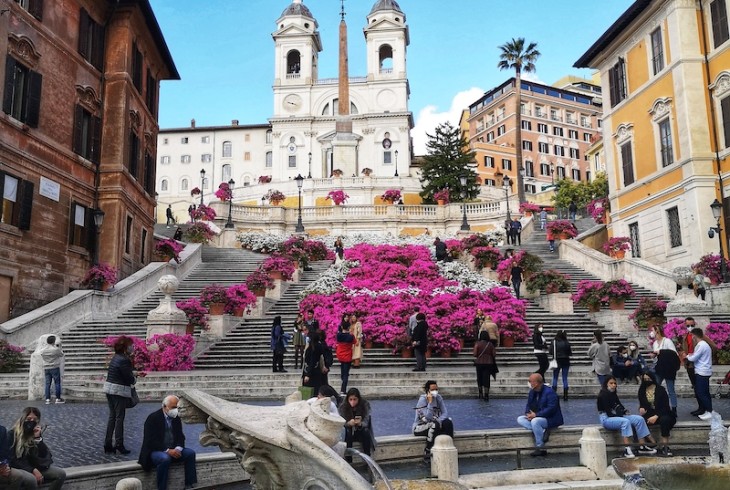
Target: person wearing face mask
540, 349
431, 419
654, 407
118, 389
164, 444
667, 363
689, 344
600, 353
30, 458
624, 367
636, 356
542, 413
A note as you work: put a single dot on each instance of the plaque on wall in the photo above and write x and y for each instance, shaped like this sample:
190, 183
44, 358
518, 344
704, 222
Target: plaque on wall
50, 189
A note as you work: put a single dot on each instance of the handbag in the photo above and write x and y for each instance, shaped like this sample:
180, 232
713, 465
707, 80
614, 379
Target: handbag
134, 399
553, 362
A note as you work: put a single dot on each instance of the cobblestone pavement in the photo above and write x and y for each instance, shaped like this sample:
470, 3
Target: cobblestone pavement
76, 430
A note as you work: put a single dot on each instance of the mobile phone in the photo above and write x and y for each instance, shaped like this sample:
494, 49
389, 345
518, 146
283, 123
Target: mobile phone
358, 418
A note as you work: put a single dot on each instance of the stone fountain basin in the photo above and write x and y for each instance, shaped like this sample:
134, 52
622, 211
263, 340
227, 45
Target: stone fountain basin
679, 473
420, 485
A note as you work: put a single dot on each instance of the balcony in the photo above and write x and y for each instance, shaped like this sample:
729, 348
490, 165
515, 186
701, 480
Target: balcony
293, 76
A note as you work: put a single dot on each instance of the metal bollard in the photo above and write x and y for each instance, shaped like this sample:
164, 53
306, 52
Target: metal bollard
445, 459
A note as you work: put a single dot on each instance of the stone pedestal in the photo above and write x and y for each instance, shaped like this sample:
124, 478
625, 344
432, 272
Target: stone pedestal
220, 325
593, 451
276, 292
256, 311
557, 303
166, 318
129, 484
445, 459
490, 274
37, 374
685, 303
616, 320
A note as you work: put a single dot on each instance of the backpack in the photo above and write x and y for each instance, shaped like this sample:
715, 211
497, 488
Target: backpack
329, 359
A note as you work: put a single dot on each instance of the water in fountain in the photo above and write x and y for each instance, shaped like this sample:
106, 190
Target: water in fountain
375, 468
718, 439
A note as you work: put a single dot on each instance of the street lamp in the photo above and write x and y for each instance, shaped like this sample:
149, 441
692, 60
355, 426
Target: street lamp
396, 163
507, 185
229, 223
98, 221
300, 225
464, 224
716, 207
202, 184
309, 175
552, 173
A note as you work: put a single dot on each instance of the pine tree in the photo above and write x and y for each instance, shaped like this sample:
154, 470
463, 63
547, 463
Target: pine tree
448, 157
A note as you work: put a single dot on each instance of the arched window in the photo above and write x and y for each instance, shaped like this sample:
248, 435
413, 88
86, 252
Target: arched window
184, 184
163, 185
269, 159
246, 181
385, 54
326, 111
227, 149
293, 62
226, 170
268, 136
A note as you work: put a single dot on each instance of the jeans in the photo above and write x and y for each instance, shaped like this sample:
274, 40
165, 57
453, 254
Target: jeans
563, 366
115, 423
602, 378
162, 462
537, 425
345, 376
53, 374
702, 392
626, 424
516, 285
420, 358
53, 475
552, 245
670, 390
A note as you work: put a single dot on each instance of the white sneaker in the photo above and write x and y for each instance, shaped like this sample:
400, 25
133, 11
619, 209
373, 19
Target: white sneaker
48, 401
628, 453
60, 401
705, 416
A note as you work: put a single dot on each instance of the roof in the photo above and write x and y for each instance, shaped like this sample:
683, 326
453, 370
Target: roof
197, 129
385, 5
297, 8
612, 33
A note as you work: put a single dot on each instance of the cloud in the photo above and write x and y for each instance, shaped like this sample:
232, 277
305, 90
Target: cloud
429, 117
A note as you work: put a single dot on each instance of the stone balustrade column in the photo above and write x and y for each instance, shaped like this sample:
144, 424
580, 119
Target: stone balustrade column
593, 451
445, 459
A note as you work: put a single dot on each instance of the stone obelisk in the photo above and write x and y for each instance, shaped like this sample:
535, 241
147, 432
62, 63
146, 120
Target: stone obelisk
344, 144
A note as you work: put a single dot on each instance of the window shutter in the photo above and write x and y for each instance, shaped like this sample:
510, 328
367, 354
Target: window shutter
90, 230
97, 57
725, 106
34, 99
96, 139
9, 85
72, 212
36, 9
26, 205
78, 129
84, 34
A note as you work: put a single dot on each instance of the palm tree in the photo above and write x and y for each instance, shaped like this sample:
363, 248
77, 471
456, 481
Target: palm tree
516, 56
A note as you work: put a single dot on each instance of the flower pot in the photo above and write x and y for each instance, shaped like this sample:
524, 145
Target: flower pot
616, 304
429, 353
217, 308
368, 344
105, 286
238, 311
446, 353
275, 275
507, 341
406, 352
594, 308
461, 344
260, 293
618, 254
441, 202
564, 236
190, 329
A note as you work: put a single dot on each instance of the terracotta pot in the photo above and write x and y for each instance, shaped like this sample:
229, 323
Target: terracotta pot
429, 353
368, 344
106, 286
276, 275
616, 304
217, 308
446, 353
260, 293
594, 308
461, 344
441, 202
406, 352
618, 254
507, 342
238, 311
528, 213
564, 236
190, 329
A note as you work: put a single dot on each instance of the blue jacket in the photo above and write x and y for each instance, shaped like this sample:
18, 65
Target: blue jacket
4, 446
545, 404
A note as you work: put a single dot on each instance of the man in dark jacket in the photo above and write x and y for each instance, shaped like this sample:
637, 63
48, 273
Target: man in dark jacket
164, 443
542, 413
420, 341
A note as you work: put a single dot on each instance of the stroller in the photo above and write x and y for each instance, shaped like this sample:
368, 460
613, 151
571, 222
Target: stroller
723, 387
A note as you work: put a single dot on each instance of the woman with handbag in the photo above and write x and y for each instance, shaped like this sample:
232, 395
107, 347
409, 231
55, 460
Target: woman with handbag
118, 388
561, 361
485, 353
540, 349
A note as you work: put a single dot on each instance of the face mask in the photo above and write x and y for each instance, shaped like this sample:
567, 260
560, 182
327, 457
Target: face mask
539, 329
632, 347
652, 335
29, 425
611, 388
172, 413
625, 355
434, 392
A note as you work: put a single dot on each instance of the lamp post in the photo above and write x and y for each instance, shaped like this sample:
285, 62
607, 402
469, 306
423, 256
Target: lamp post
202, 184
716, 208
464, 223
507, 184
309, 175
552, 173
229, 223
300, 225
396, 163
98, 221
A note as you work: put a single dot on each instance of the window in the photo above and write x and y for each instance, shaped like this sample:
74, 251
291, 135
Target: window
527, 145
570, 117
585, 121
529, 169
490, 136
489, 162
164, 185
247, 156
725, 108
559, 150
543, 147
293, 64
530, 188
555, 115
387, 157
557, 131
675, 230
137, 64
292, 161
184, 140
269, 159
627, 164
539, 111
226, 173
268, 136
573, 134
34, 7
206, 158
247, 137
561, 172
588, 176
133, 157
665, 142
165, 141
246, 181
80, 232
22, 99
634, 236
227, 149
165, 160
128, 236
544, 169
205, 183
617, 82
151, 94
17, 201
87, 134
506, 164
542, 128
527, 125
575, 153
205, 139
657, 50
184, 184
576, 174
490, 182
587, 137
184, 158
501, 130
91, 40
144, 244
718, 13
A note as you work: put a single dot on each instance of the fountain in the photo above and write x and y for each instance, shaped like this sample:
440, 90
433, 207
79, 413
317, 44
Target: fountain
289, 447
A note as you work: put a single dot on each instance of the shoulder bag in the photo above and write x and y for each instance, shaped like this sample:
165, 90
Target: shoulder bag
553, 362
134, 400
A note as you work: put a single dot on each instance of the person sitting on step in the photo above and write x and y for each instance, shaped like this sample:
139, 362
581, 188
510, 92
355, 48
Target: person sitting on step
358, 424
542, 413
431, 419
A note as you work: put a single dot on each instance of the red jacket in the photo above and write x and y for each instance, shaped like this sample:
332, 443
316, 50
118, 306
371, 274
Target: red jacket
345, 341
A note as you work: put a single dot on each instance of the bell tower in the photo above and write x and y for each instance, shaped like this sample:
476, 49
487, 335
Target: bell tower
386, 38
297, 46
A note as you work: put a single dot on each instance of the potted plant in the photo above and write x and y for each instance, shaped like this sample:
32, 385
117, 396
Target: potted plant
196, 313
453, 248
240, 300
617, 246
259, 281
597, 209
442, 197
367, 172
279, 267
169, 249
512, 330
550, 281
204, 212
274, 197
100, 277
264, 179
529, 263
338, 197
709, 266
527, 208
390, 196
588, 294
402, 345
199, 232
215, 298
719, 333
563, 229
485, 257
616, 293
11, 357
195, 191
650, 312
224, 192
476, 240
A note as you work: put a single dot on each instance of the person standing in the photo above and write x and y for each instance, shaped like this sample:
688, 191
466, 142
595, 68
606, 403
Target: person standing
551, 240
492, 329
412, 322
562, 354
420, 342
654, 407
52, 356
508, 231
516, 232
440, 247
118, 390
516, 273
541, 349
279, 341
164, 444
315, 374
688, 347
479, 318
343, 349
542, 413
339, 249
667, 363
702, 359
431, 419
168, 215
311, 324
300, 341
30, 457
356, 331
485, 355
600, 353
543, 218
573, 209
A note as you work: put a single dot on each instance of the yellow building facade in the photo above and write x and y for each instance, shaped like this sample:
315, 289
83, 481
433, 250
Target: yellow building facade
665, 71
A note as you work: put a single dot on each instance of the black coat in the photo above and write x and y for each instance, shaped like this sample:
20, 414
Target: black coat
562, 349
661, 402
154, 437
420, 335
4, 444
120, 371
38, 456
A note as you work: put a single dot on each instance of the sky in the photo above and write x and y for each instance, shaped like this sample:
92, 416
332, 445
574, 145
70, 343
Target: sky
224, 52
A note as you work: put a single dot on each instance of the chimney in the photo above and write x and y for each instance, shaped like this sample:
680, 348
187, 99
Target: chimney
234, 122
192, 123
